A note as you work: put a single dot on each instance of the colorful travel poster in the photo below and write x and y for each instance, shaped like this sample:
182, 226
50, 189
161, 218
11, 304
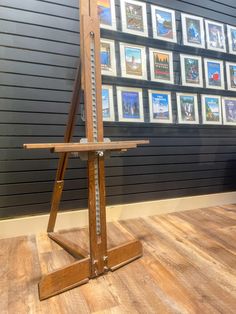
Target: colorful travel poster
134, 17
160, 107
133, 61
215, 36
214, 74
105, 56
161, 66
211, 109
187, 108
130, 105
164, 25
107, 103
191, 68
193, 31
104, 11
232, 38
231, 75
229, 111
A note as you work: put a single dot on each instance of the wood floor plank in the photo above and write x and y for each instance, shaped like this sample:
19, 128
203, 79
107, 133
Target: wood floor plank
188, 266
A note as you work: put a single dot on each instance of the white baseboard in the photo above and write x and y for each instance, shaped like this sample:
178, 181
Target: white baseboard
77, 219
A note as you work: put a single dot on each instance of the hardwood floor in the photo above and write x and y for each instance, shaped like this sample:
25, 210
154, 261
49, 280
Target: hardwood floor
189, 266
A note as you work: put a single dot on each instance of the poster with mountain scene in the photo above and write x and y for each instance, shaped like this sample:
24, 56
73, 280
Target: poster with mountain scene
211, 109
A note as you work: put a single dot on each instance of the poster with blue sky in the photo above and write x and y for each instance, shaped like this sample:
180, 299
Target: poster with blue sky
106, 12
214, 74
160, 107
163, 24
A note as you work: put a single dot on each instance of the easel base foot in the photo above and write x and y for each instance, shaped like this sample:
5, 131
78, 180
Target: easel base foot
64, 279
79, 272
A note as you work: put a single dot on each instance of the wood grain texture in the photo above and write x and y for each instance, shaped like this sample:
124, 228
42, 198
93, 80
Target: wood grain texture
188, 266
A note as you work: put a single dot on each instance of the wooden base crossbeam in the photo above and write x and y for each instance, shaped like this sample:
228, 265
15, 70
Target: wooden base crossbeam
64, 279
79, 272
69, 246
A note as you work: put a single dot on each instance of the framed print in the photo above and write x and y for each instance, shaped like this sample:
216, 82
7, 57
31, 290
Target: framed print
107, 14
130, 104
163, 24
229, 110
231, 31
193, 31
231, 75
133, 61
161, 66
211, 109
160, 107
191, 70
108, 57
134, 17
107, 103
187, 108
214, 74
215, 35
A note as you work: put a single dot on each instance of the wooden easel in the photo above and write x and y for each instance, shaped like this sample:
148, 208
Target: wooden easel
99, 260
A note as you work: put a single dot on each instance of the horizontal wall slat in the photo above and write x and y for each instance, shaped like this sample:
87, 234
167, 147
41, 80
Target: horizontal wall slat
38, 19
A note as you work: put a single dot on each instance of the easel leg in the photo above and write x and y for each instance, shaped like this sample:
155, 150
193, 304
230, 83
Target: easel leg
59, 183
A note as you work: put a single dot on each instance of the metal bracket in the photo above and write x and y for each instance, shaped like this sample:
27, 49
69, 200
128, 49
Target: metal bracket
100, 153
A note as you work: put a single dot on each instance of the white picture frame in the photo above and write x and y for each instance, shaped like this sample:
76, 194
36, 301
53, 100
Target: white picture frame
139, 21
193, 31
133, 61
215, 36
229, 110
127, 97
231, 33
155, 65
160, 109
231, 75
191, 70
210, 113
108, 103
214, 73
108, 57
107, 15
187, 108
160, 31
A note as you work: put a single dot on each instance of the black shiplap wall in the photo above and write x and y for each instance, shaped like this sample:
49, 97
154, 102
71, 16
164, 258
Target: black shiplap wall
39, 51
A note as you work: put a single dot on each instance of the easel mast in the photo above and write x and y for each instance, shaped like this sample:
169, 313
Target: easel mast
99, 260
